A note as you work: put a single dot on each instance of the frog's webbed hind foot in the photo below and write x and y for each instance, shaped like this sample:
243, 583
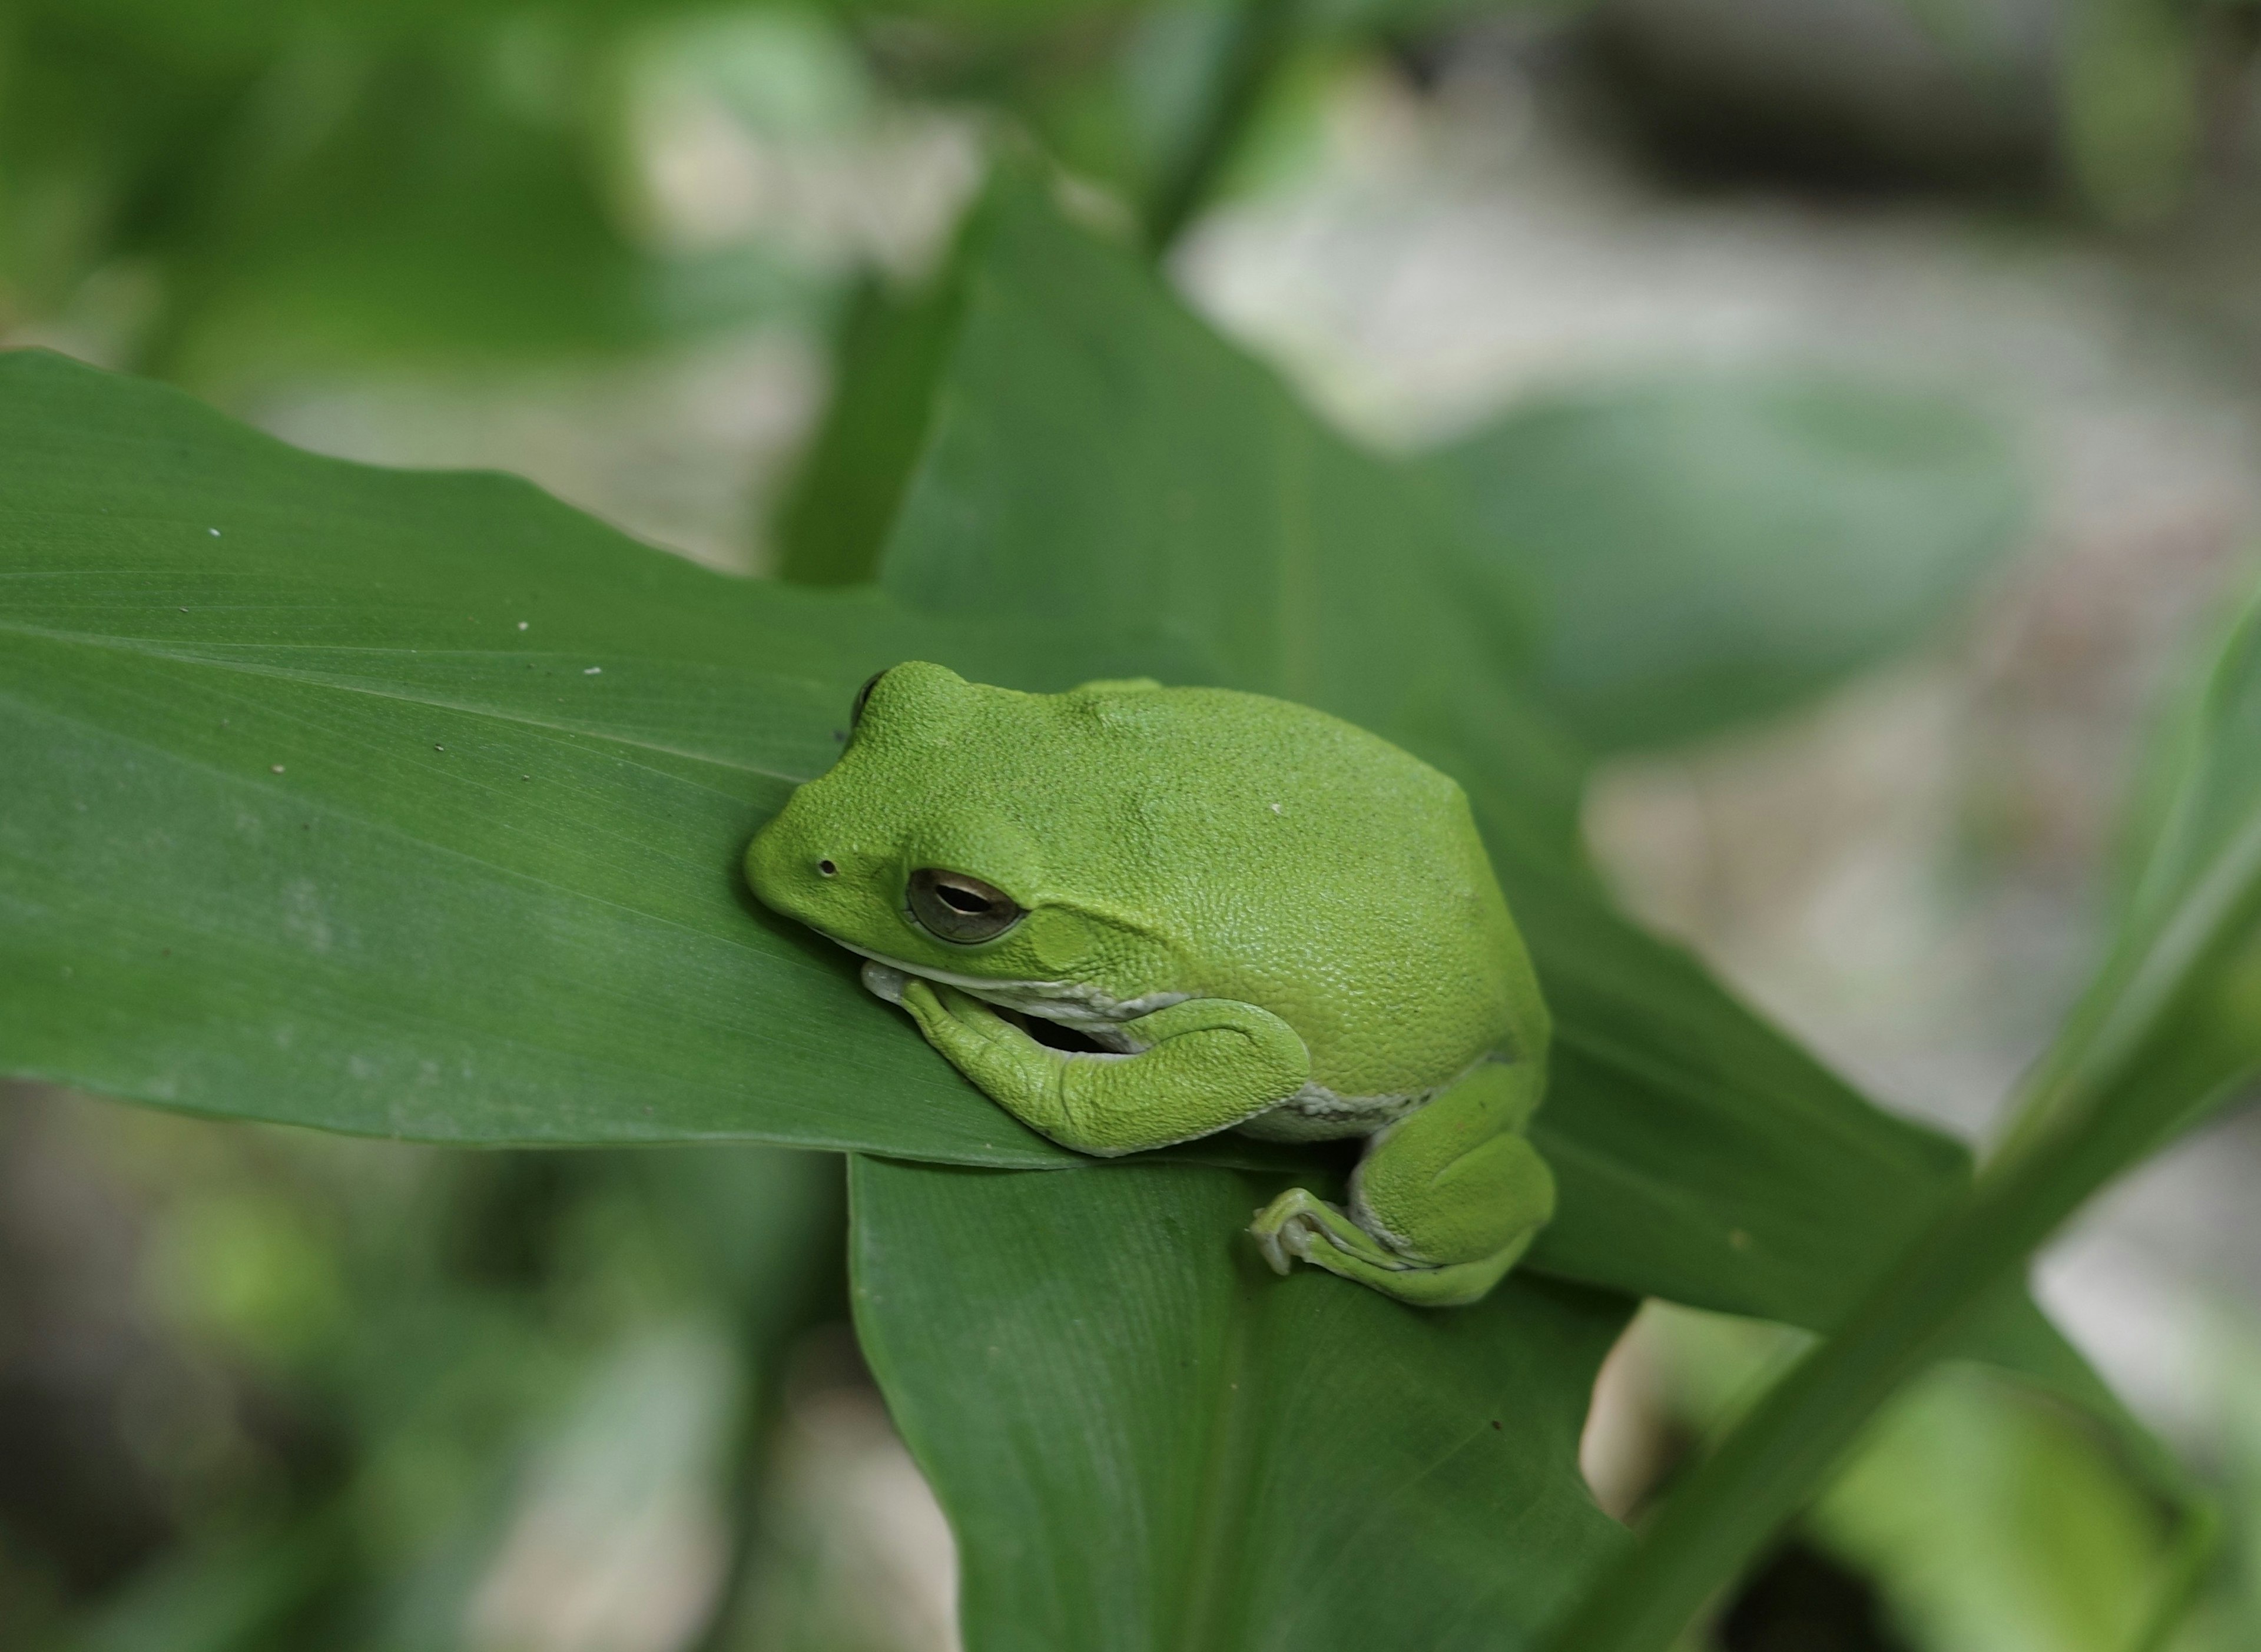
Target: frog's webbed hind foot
1298, 1222
1300, 1226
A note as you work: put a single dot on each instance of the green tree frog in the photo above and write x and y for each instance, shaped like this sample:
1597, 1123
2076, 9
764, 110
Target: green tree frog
1249, 914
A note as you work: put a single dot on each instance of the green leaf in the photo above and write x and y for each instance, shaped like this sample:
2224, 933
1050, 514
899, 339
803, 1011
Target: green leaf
2132, 102
885, 358
1991, 1524
1718, 548
399, 932
1988, 1519
293, 187
2172, 1028
302, 826
1146, 1441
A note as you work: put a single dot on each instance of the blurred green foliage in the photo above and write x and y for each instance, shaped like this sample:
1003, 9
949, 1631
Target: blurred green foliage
399, 1398
381, 1372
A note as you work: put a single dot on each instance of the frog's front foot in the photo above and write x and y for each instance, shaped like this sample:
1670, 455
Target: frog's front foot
884, 981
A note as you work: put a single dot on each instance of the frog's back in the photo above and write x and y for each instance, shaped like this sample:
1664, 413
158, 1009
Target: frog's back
1319, 871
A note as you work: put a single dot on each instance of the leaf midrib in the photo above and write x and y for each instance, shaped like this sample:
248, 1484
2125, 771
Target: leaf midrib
364, 823
201, 655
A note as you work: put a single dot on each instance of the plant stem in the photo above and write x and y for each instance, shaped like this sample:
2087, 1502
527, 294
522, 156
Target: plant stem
1710, 1530
1259, 36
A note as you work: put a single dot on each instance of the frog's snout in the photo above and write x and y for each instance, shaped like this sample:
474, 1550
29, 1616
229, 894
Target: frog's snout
783, 870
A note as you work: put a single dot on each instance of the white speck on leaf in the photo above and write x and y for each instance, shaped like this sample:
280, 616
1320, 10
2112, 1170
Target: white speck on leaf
521, 625
592, 670
274, 768
1275, 808
303, 918
215, 532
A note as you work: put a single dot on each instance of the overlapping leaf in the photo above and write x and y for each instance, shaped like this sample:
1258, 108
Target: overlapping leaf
1146, 1442
1713, 548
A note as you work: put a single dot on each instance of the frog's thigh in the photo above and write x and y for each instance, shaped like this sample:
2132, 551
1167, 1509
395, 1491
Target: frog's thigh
1442, 1204
1210, 1064
1456, 1181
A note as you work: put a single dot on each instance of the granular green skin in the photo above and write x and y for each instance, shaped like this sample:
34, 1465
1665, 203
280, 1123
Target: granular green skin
1269, 920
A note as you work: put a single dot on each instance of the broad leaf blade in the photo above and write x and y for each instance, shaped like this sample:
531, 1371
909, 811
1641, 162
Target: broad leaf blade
1713, 550
301, 826
887, 355
1146, 1441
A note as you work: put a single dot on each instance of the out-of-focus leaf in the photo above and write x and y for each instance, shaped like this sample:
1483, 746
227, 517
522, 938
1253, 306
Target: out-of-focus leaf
1715, 549
294, 190
2172, 1026
617, 1529
2129, 90
224, 1596
1988, 1519
1991, 1524
1146, 1441
887, 357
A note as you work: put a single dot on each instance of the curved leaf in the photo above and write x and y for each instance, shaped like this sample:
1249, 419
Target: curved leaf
1716, 548
1147, 1441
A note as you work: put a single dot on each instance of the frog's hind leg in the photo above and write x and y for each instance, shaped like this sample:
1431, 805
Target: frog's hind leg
1441, 1206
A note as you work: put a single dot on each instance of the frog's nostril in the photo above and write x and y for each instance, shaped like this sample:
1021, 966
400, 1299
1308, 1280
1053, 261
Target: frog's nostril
826, 869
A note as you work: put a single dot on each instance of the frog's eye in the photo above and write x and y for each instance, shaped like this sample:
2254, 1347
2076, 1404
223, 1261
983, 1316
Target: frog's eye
862, 699
956, 907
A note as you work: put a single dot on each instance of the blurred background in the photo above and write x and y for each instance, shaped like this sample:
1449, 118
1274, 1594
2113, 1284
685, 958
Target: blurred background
260, 1389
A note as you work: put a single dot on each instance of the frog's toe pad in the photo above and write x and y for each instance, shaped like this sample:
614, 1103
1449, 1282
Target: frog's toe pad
884, 981
1294, 1225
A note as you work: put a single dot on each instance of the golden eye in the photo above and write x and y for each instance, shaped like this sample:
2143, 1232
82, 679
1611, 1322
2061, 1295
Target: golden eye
862, 699
956, 907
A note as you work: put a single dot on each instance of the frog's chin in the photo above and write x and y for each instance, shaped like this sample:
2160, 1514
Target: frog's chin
1071, 1004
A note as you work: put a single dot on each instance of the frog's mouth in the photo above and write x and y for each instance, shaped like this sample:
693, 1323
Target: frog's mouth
1086, 1010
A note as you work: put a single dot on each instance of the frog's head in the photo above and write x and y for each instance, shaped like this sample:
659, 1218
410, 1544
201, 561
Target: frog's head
950, 837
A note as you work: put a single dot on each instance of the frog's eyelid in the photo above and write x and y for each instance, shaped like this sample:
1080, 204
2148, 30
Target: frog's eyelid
862, 699
952, 906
